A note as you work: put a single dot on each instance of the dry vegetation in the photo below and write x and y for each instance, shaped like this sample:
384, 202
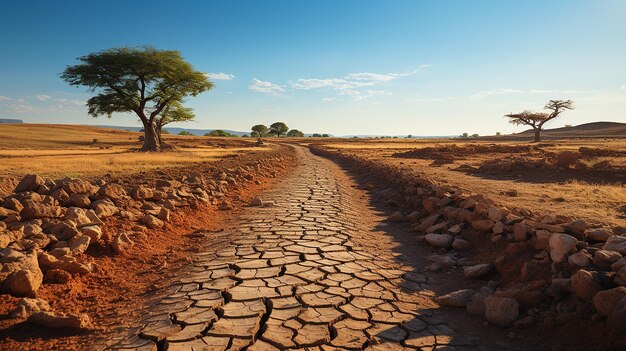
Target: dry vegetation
516, 173
65, 150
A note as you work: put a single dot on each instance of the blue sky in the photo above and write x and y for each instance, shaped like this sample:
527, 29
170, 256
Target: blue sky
340, 67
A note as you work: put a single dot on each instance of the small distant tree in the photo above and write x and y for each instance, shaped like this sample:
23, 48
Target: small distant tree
259, 130
184, 132
325, 136
294, 133
245, 136
409, 136
464, 135
537, 119
165, 131
498, 133
278, 128
140, 80
568, 126
316, 135
219, 133
475, 135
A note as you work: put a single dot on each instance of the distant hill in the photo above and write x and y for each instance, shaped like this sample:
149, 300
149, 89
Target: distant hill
176, 130
586, 130
11, 121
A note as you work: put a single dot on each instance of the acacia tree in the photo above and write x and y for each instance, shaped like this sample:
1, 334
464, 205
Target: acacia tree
260, 130
537, 119
278, 128
173, 112
295, 133
140, 80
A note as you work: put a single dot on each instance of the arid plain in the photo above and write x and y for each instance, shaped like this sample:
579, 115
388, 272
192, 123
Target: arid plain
311, 243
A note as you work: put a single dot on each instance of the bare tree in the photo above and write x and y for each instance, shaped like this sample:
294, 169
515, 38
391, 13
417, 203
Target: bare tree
537, 119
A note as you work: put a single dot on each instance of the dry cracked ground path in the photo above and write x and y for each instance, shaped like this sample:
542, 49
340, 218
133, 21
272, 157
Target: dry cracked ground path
312, 272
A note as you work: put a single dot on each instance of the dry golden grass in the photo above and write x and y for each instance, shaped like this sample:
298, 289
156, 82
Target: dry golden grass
596, 200
64, 150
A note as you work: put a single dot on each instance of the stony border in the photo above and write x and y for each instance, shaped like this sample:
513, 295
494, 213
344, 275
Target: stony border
586, 270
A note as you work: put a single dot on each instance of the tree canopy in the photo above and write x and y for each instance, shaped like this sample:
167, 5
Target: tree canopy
260, 130
295, 133
140, 80
219, 133
278, 128
536, 120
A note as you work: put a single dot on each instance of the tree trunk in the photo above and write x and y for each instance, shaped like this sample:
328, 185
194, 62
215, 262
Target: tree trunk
150, 139
537, 135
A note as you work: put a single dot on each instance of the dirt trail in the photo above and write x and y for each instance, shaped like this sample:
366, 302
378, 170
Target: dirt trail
316, 271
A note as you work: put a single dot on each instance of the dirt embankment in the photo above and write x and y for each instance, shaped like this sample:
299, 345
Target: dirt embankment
546, 270
82, 252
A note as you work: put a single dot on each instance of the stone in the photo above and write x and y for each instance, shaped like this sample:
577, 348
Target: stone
605, 301
164, 214
30, 182
579, 259
495, 214
478, 271
520, 232
476, 305
112, 191
79, 244
620, 277
27, 306
57, 276
616, 243
397, 217
459, 298
618, 265
501, 311
51, 320
560, 245
22, 276
94, 232
37, 209
460, 244
585, 285
142, 193
483, 224
122, 243
79, 200
79, 186
605, 258
104, 208
64, 231
439, 240
152, 222
599, 235
499, 228
256, 201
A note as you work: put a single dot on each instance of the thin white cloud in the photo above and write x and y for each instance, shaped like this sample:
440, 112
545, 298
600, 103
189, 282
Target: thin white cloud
43, 97
19, 108
488, 93
622, 88
5, 98
356, 95
266, 87
220, 76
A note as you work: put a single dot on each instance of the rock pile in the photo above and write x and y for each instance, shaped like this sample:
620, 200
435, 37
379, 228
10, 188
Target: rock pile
46, 225
539, 268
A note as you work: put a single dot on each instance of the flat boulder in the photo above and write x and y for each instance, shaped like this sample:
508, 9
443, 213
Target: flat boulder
560, 245
27, 307
501, 311
478, 271
616, 243
152, 222
30, 182
20, 275
49, 319
605, 301
459, 298
585, 284
112, 191
439, 240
